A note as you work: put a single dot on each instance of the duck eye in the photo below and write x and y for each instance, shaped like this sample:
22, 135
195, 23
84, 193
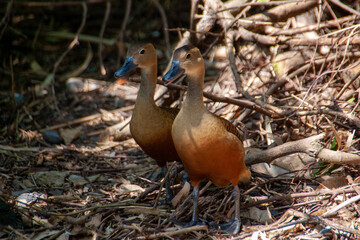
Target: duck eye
188, 56
142, 51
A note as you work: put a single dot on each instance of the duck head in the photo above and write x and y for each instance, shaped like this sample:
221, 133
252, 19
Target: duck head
138, 56
186, 60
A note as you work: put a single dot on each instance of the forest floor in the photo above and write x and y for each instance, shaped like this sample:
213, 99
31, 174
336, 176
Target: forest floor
285, 73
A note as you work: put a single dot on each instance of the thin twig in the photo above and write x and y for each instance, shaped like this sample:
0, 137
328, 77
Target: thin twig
81, 37
238, 102
59, 4
233, 67
347, 85
318, 193
335, 209
121, 36
308, 28
125, 20
174, 233
5, 19
194, 6
165, 26
163, 182
345, 7
17, 233
101, 35
87, 118
70, 47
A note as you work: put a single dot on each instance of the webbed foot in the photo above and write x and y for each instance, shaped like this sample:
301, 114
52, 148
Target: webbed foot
198, 222
233, 227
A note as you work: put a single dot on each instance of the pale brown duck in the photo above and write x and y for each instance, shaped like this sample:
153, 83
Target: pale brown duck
210, 147
150, 124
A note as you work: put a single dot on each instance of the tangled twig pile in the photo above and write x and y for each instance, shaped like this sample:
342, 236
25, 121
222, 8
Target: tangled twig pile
285, 72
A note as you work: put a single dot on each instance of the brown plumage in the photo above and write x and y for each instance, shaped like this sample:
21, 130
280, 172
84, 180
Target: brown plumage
150, 124
210, 147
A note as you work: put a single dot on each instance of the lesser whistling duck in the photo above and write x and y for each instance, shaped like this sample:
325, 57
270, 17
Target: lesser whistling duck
150, 124
209, 146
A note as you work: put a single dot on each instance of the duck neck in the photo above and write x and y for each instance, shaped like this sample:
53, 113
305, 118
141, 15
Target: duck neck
194, 95
147, 86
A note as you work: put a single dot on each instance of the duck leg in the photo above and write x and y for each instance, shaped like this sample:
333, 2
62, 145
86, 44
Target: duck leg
168, 192
169, 195
195, 218
233, 226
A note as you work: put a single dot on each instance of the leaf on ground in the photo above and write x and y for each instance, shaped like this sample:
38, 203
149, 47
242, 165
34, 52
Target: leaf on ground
332, 182
50, 178
70, 134
46, 235
254, 213
183, 193
128, 188
95, 221
27, 198
79, 180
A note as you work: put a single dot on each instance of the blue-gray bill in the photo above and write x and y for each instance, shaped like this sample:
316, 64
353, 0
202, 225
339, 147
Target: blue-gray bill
174, 73
127, 69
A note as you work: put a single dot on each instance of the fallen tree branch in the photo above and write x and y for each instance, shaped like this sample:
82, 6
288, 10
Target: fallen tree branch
247, 35
284, 11
274, 31
338, 157
311, 146
238, 102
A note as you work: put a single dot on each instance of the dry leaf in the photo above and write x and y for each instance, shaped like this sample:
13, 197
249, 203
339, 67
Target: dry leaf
70, 134
183, 193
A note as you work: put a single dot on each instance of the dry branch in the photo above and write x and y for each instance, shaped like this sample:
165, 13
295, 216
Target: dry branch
230, 52
284, 11
338, 157
274, 31
311, 146
238, 102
